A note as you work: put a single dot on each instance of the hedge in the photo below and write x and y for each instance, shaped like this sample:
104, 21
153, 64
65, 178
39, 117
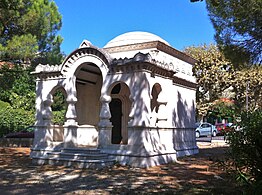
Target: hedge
13, 120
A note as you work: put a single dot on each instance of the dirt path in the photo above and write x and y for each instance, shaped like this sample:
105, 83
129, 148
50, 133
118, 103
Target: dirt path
200, 174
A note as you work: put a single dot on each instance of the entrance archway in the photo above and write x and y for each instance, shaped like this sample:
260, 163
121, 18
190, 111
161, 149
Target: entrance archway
116, 120
119, 108
88, 85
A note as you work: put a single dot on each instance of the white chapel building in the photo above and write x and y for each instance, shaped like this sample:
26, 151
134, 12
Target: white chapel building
132, 101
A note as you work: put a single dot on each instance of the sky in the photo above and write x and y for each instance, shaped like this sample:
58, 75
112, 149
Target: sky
179, 22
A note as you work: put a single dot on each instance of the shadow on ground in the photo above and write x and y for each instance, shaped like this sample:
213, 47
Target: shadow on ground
200, 174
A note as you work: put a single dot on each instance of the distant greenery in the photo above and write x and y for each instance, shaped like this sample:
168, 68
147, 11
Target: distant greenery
213, 75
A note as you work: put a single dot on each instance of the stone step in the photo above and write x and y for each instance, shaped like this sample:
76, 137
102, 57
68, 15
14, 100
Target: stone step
92, 164
81, 156
77, 157
81, 150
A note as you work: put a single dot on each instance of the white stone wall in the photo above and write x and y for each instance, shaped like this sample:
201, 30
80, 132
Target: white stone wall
156, 128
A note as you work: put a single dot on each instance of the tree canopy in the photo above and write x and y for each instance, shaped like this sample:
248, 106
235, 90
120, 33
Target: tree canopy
28, 30
217, 78
28, 36
238, 27
212, 72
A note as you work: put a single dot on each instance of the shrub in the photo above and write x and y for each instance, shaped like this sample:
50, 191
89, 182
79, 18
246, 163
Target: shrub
3, 105
246, 148
13, 120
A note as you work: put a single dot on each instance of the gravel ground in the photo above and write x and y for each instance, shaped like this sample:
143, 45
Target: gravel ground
204, 173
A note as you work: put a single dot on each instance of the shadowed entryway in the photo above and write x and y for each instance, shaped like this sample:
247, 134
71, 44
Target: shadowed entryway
116, 119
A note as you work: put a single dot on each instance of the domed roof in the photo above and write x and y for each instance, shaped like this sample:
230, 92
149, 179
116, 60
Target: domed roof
133, 38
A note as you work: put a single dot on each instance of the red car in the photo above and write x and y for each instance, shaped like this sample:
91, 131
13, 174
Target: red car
223, 128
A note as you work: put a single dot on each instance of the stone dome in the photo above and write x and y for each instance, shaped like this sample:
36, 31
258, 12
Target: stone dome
133, 38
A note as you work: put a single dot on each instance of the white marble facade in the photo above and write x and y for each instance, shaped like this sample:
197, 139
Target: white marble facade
134, 99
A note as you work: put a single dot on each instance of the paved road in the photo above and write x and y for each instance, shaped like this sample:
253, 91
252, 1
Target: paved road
208, 139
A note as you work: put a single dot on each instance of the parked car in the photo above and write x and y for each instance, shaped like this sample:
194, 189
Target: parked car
223, 128
220, 128
205, 129
28, 132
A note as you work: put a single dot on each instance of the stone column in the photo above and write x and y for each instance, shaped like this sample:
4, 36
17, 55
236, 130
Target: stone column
71, 111
104, 125
43, 135
71, 100
71, 126
47, 111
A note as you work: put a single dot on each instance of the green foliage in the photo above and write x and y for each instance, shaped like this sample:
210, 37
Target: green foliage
22, 47
59, 117
17, 87
224, 109
28, 31
217, 78
29, 27
18, 99
3, 105
12, 120
26, 102
238, 29
248, 82
59, 107
246, 148
212, 72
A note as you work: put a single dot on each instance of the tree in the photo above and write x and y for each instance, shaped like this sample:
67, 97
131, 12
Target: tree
247, 84
238, 27
212, 72
28, 30
217, 78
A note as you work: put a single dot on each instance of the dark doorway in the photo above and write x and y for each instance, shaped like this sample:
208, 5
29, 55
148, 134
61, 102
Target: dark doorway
116, 119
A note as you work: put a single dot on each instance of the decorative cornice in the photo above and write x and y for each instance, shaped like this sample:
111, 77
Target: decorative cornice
47, 68
141, 62
183, 82
153, 44
47, 71
139, 57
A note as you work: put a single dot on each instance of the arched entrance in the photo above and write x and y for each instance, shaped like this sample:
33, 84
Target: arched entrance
88, 86
116, 120
119, 107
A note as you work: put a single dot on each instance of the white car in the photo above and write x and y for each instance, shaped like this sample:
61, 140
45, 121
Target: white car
205, 129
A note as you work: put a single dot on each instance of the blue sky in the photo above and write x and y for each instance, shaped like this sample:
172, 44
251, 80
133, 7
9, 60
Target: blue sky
179, 22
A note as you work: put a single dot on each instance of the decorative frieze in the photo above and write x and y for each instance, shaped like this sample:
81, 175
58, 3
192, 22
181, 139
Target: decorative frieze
141, 62
153, 44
